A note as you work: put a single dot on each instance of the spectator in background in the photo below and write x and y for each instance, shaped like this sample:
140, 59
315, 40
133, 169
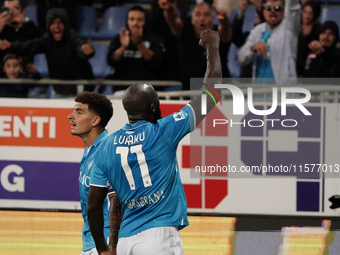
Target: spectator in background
160, 27
239, 37
310, 29
67, 54
68, 5
13, 69
192, 57
323, 54
15, 27
334, 71
272, 45
135, 54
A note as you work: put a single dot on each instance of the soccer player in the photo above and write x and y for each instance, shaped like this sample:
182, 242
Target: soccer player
140, 162
89, 118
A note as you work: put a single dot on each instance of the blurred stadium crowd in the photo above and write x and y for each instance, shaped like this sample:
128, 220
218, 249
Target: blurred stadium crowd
158, 40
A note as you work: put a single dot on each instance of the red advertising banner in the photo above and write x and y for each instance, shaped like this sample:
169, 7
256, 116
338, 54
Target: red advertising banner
29, 126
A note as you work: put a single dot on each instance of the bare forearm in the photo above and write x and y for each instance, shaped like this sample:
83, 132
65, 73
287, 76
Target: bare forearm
174, 22
213, 75
258, 4
225, 30
115, 220
214, 66
2, 25
96, 223
117, 55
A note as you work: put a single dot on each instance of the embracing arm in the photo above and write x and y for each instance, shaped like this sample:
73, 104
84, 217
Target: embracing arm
95, 216
115, 220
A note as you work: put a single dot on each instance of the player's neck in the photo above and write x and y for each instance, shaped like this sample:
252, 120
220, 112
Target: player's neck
138, 117
90, 137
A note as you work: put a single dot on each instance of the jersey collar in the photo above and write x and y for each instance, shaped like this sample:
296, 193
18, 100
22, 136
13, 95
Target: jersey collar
136, 125
104, 134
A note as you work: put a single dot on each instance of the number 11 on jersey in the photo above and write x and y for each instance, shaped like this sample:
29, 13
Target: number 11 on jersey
143, 166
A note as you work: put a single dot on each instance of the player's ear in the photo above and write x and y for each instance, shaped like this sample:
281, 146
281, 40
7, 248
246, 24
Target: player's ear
96, 120
152, 108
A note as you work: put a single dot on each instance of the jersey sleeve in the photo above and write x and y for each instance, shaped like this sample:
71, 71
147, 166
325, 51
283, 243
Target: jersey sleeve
111, 190
175, 126
98, 177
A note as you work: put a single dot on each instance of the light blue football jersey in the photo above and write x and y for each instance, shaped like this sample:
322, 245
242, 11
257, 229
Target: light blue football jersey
84, 185
140, 162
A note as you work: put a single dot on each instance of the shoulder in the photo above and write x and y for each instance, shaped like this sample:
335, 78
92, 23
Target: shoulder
257, 30
182, 114
102, 148
107, 141
260, 27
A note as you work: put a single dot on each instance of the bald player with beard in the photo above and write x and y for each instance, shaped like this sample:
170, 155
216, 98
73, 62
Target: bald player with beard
140, 162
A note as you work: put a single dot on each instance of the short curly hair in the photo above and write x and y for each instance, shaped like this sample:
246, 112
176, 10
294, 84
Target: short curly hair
98, 104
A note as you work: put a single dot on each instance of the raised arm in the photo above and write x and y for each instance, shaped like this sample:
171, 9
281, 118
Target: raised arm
292, 15
224, 28
210, 40
171, 17
4, 18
